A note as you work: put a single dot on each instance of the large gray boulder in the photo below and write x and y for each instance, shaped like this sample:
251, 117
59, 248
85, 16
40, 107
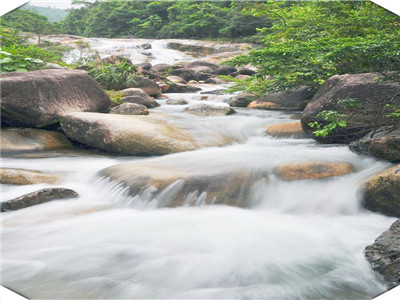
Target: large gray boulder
147, 85
384, 255
294, 99
381, 193
14, 140
38, 197
383, 144
37, 98
128, 135
241, 100
130, 109
185, 185
369, 90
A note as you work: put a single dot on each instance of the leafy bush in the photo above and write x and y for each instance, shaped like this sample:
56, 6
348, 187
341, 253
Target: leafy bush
18, 63
113, 77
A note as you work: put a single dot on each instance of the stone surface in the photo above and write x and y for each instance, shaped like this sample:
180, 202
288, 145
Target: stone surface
208, 110
372, 93
37, 98
130, 109
15, 140
176, 79
185, 185
241, 100
286, 130
312, 170
382, 192
384, 255
38, 197
384, 144
176, 102
182, 88
128, 135
147, 85
23, 177
294, 99
148, 102
225, 70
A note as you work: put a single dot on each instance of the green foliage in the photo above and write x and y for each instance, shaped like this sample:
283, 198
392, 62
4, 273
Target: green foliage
163, 19
113, 77
311, 41
51, 13
18, 63
333, 120
115, 97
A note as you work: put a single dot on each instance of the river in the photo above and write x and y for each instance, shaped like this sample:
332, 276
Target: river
296, 240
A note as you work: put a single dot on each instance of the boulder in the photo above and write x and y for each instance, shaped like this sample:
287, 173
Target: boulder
384, 255
38, 197
147, 85
373, 94
15, 140
381, 193
200, 63
176, 102
242, 77
146, 46
24, 177
216, 80
176, 79
37, 98
246, 71
135, 92
208, 110
287, 100
48, 66
148, 102
201, 69
286, 130
151, 75
186, 74
312, 170
185, 184
224, 70
241, 100
128, 135
143, 66
383, 144
130, 109
161, 68
182, 88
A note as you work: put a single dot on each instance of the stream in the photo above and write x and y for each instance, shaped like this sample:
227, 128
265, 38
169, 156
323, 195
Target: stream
298, 239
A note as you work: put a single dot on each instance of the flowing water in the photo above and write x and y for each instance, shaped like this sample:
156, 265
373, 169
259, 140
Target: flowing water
296, 240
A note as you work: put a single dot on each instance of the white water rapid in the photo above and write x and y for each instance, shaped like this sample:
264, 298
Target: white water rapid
298, 240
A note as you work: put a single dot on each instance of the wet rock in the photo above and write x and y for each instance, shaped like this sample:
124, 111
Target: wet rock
148, 102
176, 102
201, 69
143, 66
384, 255
246, 71
384, 144
224, 70
312, 170
24, 177
146, 46
208, 110
38, 197
161, 68
200, 63
185, 184
241, 100
382, 192
37, 98
130, 109
182, 88
14, 140
147, 85
136, 92
176, 79
128, 135
294, 99
184, 73
215, 92
372, 93
193, 82
286, 130
216, 80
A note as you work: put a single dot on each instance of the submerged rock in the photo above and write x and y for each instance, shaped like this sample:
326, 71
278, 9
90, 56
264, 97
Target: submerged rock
185, 185
287, 130
128, 135
208, 110
176, 102
384, 255
37, 98
23, 177
130, 109
241, 100
312, 170
382, 192
15, 140
385, 144
38, 197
